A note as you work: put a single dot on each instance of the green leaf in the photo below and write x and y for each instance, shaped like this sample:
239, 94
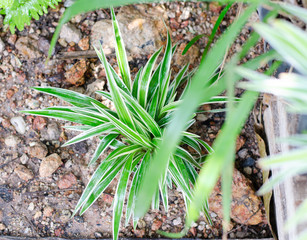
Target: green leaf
120, 196
148, 121
135, 87
65, 114
196, 94
104, 183
125, 130
74, 98
145, 79
185, 155
191, 43
119, 103
100, 129
121, 53
103, 145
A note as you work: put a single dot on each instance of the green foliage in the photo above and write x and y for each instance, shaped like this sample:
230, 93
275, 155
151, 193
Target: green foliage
144, 108
291, 43
20, 12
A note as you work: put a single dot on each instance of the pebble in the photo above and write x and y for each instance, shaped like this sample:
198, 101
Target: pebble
52, 132
66, 181
70, 33
23, 172
98, 235
185, 14
31, 206
38, 150
37, 215
249, 162
75, 74
43, 45
2, 46
39, 123
156, 225
248, 170
19, 124
2, 227
84, 43
177, 221
48, 211
28, 47
243, 153
245, 204
49, 165
12, 141
94, 86
65, 216
202, 117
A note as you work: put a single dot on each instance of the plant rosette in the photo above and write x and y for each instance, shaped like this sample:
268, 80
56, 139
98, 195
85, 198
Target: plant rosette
144, 108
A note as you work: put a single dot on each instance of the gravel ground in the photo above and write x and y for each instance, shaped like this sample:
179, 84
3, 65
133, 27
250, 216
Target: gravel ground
37, 203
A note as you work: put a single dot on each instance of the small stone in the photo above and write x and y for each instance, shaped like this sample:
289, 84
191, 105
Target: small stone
2, 227
31, 206
107, 198
193, 231
75, 74
249, 162
156, 225
141, 224
39, 123
243, 153
52, 132
65, 216
98, 235
240, 142
139, 233
66, 181
201, 227
248, 170
213, 215
37, 215
185, 14
95, 86
38, 150
70, 33
23, 172
202, 117
2, 46
10, 93
84, 43
28, 47
177, 221
19, 124
48, 211
215, 7
246, 207
62, 42
12, 141
49, 165
44, 45
79, 219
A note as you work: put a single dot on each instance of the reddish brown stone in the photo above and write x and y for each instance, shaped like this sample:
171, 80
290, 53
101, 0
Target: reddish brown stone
156, 225
139, 233
23, 172
107, 198
75, 74
67, 180
39, 123
10, 93
240, 142
246, 207
84, 43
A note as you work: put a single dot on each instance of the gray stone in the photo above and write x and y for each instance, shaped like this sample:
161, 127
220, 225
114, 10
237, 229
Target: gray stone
177, 221
52, 132
185, 14
243, 153
28, 47
24, 158
70, 33
142, 29
19, 124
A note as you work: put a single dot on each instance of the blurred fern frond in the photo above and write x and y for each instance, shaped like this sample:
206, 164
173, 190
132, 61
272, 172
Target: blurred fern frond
20, 12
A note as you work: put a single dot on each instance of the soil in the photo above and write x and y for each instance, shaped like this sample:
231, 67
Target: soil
35, 206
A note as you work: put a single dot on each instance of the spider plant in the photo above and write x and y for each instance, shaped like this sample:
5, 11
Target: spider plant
144, 108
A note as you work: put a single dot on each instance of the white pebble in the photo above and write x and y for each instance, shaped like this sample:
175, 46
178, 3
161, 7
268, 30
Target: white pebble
19, 124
